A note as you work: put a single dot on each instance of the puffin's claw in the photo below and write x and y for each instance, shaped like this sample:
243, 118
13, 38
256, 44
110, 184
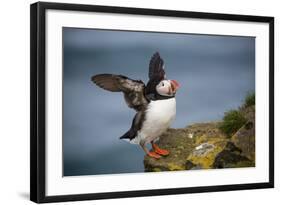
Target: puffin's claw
157, 150
153, 155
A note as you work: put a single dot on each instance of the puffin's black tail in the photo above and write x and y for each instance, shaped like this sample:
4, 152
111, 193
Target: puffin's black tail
131, 134
128, 135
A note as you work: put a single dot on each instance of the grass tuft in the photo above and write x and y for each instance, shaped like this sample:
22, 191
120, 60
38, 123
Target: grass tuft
249, 100
233, 120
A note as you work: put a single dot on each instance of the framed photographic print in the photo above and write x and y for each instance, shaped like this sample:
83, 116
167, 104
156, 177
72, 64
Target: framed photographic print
129, 102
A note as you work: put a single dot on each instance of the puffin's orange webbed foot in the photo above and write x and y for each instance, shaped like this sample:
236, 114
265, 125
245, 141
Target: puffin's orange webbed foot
153, 155
157, 150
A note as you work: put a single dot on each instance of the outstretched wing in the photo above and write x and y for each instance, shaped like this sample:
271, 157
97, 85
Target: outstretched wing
156, 68
133, 90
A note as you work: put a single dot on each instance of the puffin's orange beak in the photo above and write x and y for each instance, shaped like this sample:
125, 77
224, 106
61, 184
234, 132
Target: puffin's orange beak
175, 85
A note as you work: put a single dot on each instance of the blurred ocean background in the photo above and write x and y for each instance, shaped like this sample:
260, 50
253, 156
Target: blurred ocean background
215, 74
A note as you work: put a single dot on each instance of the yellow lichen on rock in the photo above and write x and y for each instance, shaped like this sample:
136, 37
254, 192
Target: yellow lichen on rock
156, 169
206, 160
175, 167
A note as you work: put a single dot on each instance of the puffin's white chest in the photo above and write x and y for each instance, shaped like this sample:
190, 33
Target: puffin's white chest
159, 116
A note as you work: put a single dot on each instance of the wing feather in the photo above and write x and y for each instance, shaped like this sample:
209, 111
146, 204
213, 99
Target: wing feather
133, 90
156, 68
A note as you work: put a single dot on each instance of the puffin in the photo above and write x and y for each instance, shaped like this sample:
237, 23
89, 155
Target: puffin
154, 103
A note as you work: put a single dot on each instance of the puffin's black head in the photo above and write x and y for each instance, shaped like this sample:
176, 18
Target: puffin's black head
162, 87
167, 87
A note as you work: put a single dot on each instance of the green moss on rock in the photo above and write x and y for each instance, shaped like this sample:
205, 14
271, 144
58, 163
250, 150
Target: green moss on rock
233, 120
179, 144
250, 100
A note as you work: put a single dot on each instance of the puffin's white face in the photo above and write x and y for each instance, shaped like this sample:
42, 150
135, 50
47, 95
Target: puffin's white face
167, 87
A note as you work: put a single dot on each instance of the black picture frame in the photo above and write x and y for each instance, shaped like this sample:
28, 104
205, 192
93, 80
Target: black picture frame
38, 100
